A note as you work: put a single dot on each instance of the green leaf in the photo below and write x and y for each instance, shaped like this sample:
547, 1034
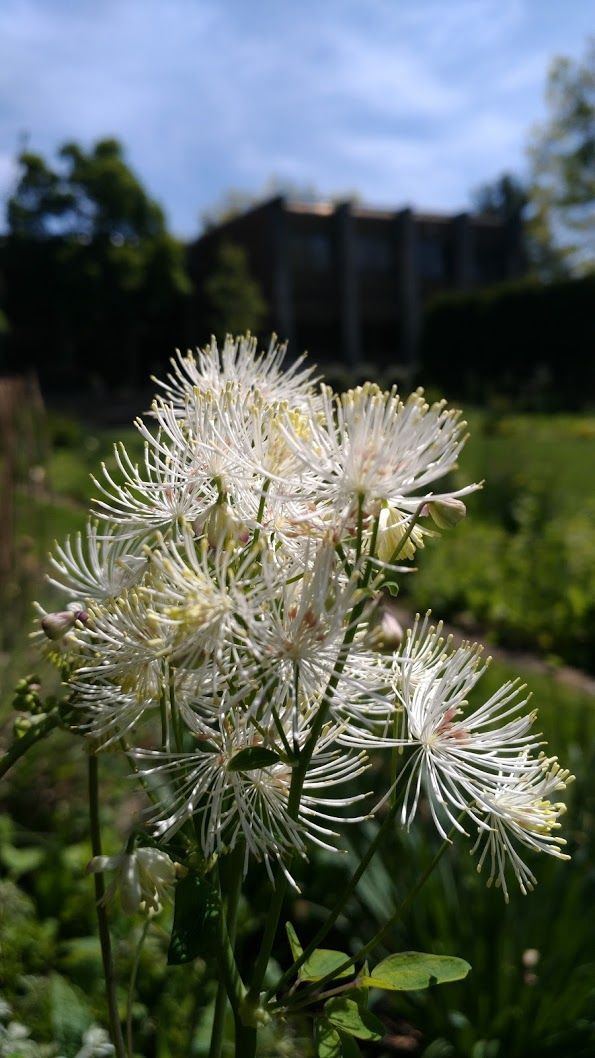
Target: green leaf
407, 971
345, 1015
20, 861
349, 1048
204, 745
69, 1013
324, 961
321, 962
294, 944
328, 1041
196, 914
253, 757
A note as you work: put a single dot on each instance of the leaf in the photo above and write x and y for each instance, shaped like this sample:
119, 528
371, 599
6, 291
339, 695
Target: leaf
70, 1015
204, 745
196, 914
20, 861
321, 962
345, 1014
408, 971
349, 1048
294, 944
253, 757
328, 1041
324, 961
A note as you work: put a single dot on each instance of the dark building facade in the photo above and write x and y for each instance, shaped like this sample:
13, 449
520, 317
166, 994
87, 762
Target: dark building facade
348, 283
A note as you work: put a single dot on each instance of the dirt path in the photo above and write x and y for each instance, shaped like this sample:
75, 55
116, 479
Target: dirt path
563, 674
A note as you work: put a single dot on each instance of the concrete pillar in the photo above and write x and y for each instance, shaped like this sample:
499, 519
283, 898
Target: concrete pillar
463, 256
408, 288
349, 313
282, 308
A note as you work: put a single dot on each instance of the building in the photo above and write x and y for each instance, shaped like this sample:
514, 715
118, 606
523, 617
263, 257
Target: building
348, 283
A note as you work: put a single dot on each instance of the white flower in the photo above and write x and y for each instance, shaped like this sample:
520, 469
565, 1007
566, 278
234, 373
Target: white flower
232, 595
101, 567
519, 812
231, 803
240, 362
143, 878
368, 445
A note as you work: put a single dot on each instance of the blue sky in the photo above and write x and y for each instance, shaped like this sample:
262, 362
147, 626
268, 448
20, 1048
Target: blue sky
403, 101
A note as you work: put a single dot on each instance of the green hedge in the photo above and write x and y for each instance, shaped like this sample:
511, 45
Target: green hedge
528, 343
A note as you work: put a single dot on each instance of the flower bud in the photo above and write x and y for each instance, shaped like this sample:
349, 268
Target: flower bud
142, 878
386, 633
446, 513
56, 625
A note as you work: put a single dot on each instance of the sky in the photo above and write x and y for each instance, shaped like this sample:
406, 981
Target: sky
403, 101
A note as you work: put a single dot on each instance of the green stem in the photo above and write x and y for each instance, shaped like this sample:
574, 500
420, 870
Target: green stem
236, 990
21, 745
339, 905
245, 1039
230, 905
102, 922
402, 907
132, 986
175, 716
295, 793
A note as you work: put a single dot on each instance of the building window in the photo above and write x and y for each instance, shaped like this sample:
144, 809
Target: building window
374, 253
310, 251
431, 258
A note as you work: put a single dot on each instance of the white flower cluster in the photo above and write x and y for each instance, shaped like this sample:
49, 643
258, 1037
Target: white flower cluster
226, 627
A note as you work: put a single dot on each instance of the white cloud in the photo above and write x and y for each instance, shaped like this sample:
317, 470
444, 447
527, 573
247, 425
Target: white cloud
416, 101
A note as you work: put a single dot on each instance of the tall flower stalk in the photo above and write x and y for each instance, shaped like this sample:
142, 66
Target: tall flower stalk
227, 629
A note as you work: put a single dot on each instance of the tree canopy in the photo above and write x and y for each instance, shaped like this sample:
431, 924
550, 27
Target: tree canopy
235, 303
562, 184
93, 277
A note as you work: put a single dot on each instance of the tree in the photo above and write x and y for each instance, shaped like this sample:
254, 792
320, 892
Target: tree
93, 277
235, 303
562, 186
505, 197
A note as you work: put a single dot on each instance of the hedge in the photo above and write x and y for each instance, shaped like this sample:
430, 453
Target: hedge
529, 343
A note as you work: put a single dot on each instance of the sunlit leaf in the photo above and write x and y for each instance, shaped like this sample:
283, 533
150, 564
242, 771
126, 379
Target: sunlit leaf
346, 1015
294, 944
324, 961
408, 971
328, 1041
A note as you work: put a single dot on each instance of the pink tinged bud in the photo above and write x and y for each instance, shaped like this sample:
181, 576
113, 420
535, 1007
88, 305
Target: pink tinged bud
447, 513
56, 625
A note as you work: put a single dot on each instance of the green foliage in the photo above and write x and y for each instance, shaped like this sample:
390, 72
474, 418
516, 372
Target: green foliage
253, 757
89, 261
345, 1014
562, 185
527, 343
196, 915
322, 961
235, 304
505, 197
70, 1014
408, 971
532, 990
521, 568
